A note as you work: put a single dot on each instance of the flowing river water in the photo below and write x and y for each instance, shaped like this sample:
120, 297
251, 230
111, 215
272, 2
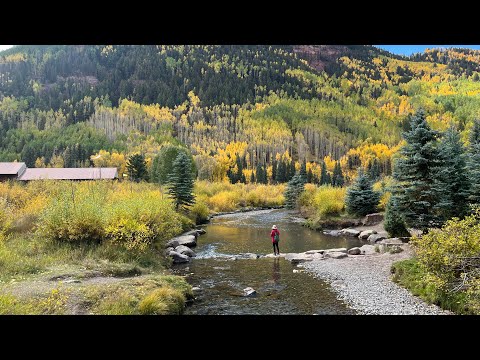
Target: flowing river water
221, 278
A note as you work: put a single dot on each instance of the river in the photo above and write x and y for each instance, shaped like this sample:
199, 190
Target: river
221, 278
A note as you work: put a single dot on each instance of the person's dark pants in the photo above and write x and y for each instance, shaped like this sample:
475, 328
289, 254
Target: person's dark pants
275, 244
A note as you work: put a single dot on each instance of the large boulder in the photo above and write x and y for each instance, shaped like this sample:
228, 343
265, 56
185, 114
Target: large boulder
187, 240
342, 250
336, 255
172, 243
201, 231
168, 249
375, 237
373, 219
366, 233
354, 251
367, 249
185, 250
178, 258
350, 232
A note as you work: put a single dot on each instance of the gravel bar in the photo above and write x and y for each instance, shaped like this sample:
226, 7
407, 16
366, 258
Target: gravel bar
363, 282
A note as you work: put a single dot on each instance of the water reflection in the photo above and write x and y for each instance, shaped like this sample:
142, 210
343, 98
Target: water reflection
276, 270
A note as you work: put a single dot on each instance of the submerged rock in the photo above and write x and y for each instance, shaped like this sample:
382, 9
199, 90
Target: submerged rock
249, 292
298, 258
332, 232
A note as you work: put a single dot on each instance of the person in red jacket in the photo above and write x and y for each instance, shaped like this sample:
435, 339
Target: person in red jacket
275, 235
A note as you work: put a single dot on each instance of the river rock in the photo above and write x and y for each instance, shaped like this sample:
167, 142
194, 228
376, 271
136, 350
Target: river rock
249, 292
185, 250
336, 255
298, 258
201, 231
248, 256
354, 251
367, 249
375, 237
172, 243
311, 252
167, 250
187, 240
295, 271
332, 232
366, 233
179, 258
196, 289
193, 233
343, 250
350, 232
373, 219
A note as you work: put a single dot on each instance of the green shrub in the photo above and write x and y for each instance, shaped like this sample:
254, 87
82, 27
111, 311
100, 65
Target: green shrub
162, 301
199, 212
394, 224
130, 233
73, 220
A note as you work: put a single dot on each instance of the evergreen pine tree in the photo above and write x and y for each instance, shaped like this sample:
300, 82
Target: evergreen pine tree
474, 163
361, 199
415, 172
137, 167
394, 223
180, 182
280, 176
310, 177
338, 179
259, 174
238, 175
294, 188
303, 169
252, 178
324, 179
274, 171
451, 181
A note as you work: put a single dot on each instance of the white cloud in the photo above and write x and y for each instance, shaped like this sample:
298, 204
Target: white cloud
4, 47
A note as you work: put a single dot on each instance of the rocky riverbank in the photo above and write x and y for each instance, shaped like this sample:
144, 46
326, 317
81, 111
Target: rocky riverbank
364, 283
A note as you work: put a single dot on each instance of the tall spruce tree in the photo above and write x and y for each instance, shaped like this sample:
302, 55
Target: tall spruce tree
281, 169
361, 199
415, 172
324, 178
474, 163
303, 169
180, 182
394, 223
338, 179
451, 181
294, 188
137, 167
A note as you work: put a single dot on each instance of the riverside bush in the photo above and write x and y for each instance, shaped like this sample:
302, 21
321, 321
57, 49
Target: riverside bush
324, 201
449, 259
76, 221
228, 197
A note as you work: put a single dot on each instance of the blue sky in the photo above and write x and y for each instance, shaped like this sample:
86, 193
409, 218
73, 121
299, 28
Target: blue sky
410, 49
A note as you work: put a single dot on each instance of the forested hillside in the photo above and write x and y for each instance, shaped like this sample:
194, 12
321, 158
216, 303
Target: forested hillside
244, 110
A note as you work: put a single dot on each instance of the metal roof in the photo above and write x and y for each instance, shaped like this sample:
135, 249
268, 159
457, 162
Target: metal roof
69, 174
12, 168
